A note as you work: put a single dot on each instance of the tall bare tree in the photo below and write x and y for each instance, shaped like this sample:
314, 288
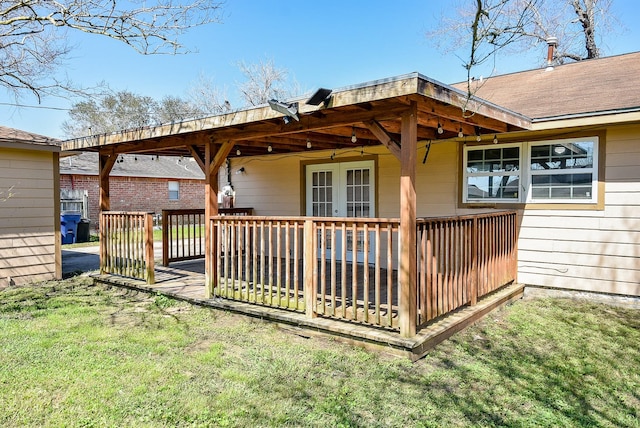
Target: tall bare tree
521, 25
264, 81
204, 95
33, 34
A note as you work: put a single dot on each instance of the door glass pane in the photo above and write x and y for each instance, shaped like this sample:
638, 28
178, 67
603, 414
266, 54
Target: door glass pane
321, 194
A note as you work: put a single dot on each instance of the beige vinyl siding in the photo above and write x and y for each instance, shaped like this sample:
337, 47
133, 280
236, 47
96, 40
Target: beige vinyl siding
28, 227
269, 184
272, 185
590, 250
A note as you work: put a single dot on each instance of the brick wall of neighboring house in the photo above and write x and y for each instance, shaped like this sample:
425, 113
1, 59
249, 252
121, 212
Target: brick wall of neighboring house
136, 193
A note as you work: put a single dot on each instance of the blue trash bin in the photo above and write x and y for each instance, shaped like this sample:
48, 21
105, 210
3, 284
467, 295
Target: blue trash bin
69, 226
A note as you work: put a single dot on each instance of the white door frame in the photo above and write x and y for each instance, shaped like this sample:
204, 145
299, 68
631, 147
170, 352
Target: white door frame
339, 192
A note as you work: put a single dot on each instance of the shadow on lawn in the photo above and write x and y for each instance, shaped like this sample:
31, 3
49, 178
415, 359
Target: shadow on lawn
567, 369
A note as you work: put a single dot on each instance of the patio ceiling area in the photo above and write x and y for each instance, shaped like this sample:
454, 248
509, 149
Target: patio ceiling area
371, 110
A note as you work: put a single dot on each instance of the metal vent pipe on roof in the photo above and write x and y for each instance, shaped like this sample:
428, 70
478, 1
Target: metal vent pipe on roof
552, 42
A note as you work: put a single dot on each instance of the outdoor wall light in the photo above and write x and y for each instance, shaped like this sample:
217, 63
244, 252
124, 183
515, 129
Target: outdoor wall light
240, 171
290, 111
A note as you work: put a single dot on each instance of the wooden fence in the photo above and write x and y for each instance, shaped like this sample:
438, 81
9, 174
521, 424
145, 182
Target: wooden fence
126, 244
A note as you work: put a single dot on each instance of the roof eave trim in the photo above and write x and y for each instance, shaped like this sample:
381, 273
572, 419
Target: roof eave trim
586, 114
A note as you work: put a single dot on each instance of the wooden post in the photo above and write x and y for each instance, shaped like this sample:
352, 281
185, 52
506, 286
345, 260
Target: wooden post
310, 262
407, 276
105, 164
165, 238
475, 271
149, 256
212, 163
210, 209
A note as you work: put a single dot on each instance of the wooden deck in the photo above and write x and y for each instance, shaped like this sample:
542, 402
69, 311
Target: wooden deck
186, 281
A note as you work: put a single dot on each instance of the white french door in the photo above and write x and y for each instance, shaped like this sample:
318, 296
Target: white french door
344, 189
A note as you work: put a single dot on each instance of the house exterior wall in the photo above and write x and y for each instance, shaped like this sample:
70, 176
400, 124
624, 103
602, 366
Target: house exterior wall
273, 185
29, 229
136, 193
590, 250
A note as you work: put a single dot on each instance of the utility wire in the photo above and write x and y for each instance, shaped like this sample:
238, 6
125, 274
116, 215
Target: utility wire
40, 107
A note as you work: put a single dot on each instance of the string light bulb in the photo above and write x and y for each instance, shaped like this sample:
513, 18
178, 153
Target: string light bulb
460, 133
495, 139
309, 143
269, 148
354, 139
478, 138
238, 152
440, 129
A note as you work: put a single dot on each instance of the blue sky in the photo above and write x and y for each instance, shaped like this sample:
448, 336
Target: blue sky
329, 43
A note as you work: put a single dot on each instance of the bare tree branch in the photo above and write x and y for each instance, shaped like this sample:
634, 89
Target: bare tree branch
263, 82
515, 26
33, 34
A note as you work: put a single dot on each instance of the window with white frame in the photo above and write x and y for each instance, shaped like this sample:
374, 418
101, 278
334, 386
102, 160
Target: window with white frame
555, 171
174, 190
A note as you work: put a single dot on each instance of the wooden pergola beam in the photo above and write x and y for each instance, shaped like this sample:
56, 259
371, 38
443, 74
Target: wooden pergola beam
195, 154
384, 137
220, 156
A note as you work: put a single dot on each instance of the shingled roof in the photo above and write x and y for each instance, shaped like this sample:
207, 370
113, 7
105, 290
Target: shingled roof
11, 135
610, 84
134, 166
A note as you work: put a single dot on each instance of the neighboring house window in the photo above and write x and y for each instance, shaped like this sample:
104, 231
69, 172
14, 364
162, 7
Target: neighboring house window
174, 190
557, 171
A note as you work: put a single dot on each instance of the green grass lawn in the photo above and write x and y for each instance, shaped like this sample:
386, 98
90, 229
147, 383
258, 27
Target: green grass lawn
74, 354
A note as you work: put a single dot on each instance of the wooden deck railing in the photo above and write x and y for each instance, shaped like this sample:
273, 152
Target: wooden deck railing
259, 260
126, 244
183, 233
346, 268
461, 259
356, 273
310, 264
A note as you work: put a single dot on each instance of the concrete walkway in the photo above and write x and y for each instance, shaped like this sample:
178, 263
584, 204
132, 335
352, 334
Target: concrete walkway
86, 259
